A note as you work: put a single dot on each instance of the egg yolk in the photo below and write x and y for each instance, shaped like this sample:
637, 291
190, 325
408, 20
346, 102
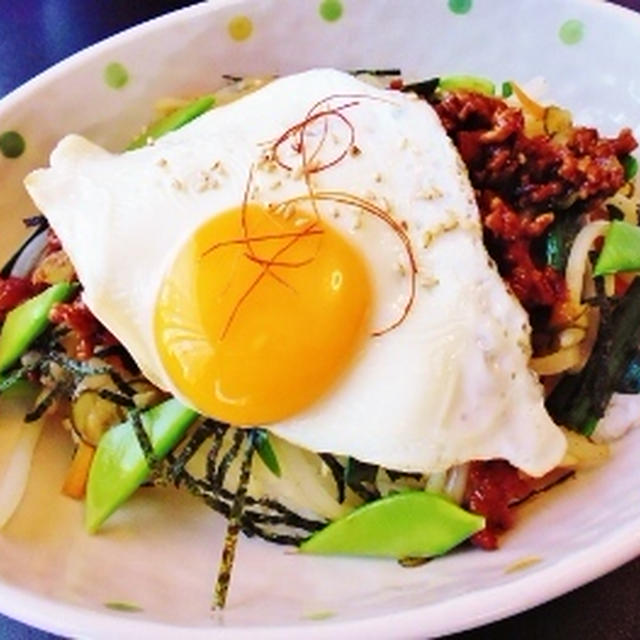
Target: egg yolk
261, 313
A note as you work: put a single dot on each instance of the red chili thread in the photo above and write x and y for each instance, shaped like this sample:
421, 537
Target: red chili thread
309, 166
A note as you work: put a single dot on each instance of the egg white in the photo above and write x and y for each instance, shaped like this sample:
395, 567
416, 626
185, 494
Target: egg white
450, 384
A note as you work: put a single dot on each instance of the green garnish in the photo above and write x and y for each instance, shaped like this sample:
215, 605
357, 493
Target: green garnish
120, 466
407, 524
507, 89
27, 321
469, 83
621, 249
559, 239
630, 164
263, 446
173, 121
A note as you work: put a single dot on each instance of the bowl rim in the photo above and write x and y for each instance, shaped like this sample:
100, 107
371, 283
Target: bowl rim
481, 606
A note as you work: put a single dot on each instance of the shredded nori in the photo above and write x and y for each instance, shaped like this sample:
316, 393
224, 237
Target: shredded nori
377, 72
234, 527
361, 478
144, 440
263, 517
203, 431
118, 350
41, 407
337, 470
117, 398
426, 89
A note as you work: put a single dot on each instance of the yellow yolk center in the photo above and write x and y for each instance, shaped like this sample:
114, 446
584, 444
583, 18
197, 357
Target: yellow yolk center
261, 313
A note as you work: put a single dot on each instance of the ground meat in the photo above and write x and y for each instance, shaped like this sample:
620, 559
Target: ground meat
87, 332
13, 291
492, 488
523, 183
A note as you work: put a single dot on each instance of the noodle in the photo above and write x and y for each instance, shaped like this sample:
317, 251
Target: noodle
578, 262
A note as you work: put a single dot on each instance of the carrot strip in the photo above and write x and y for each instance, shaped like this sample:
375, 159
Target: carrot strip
75, 482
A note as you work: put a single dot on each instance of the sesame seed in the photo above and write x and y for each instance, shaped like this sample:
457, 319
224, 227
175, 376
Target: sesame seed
429, 193
427, 281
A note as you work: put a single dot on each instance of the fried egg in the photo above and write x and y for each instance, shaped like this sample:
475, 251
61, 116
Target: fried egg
309, 259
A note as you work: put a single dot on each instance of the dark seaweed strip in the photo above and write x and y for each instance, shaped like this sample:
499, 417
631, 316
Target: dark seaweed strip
123, 386
214, 451
118, 350
287, 514
202, 432
282, 514
143, 440
337, 471
233, 529
559, 239
39, 410
252, 517
116, 398
360, 477
210, 498
573, 401
602, 384
280, 538
630, 382
295, 521
217, 479
377, 72
77, 367
397, 475
425, 88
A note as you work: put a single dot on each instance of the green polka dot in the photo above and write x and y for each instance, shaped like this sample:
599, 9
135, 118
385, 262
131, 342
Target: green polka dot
460, 6
331, 10
11, 144
116, 75
571, 32
240, 28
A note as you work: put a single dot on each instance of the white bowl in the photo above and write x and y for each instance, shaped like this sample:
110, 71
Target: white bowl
161, 551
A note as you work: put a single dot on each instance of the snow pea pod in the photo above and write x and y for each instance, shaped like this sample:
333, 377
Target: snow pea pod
468, 83
173, 121
621, 249
120, 467
407, 524
27, 321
